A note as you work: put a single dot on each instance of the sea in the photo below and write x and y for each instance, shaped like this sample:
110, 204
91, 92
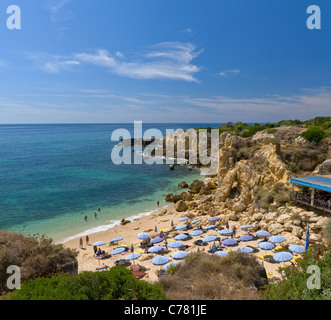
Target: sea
52, 175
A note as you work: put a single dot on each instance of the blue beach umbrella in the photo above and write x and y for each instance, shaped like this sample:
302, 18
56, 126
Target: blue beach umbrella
214, 219
172, 223
245, 249
181, 226
195, 221
154, 249
116, 239
159, 260
172, 263
98, 243
183, 219
296, 248
132, 256
225, 232
282, 256
246, 237
220, 253
117, 251
277, 239
246, 226
209, 238
156, 240
179, 255
181, 237
143, 236
174, 244
155, 229
230, 242
195, 233
210, 227
263, 233
265, 245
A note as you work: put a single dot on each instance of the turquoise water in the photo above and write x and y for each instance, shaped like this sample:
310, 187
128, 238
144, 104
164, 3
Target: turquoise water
54, 175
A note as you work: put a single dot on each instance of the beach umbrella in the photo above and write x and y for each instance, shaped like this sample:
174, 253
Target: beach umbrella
220, 253
116, 239
245, 249
159, 260
172, 223
210, 227
174, 244
282, 256
230, 242
296, 248
246, 226
154, 249
181, 237
179, 255
227, 225
155, 229
214, 219
156, 240
263, 233
117, 251
225, 232
209, 238
143, 236
265, 245
195, 221
195, 233
277, 239
246, 237
173, 263
131, 256
98, 243
183, 219
181, 226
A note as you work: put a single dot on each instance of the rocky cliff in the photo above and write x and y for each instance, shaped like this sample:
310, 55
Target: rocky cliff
252, 185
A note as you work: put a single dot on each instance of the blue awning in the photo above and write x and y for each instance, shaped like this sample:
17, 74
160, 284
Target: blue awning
316, 182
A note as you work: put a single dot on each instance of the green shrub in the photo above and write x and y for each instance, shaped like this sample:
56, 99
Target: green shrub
294, 286
314, 134
117, 283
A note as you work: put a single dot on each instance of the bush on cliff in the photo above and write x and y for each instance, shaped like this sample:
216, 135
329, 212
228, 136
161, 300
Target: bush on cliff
314, 134
117, 283
36, 257
295, 284
204, 277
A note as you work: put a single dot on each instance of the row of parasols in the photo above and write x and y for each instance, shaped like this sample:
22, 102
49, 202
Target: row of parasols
162, 260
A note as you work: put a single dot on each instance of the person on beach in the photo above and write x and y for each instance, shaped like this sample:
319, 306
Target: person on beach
99, 209
85, 217
158, 203
87, 239
234, 230
81, 243
95, 215
95, 250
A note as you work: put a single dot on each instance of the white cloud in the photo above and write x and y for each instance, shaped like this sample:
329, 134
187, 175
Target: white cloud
167, 60
229, 73
56, 13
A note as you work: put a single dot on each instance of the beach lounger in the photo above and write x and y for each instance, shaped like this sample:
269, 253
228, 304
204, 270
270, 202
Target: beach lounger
101, 268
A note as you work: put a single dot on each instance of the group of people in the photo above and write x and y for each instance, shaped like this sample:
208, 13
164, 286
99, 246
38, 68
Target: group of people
87, 240
95, 215
321, 199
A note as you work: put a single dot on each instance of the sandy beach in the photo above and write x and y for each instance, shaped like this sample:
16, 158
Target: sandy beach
161, 218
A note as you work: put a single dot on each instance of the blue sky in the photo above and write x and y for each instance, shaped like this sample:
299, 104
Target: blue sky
79, 61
